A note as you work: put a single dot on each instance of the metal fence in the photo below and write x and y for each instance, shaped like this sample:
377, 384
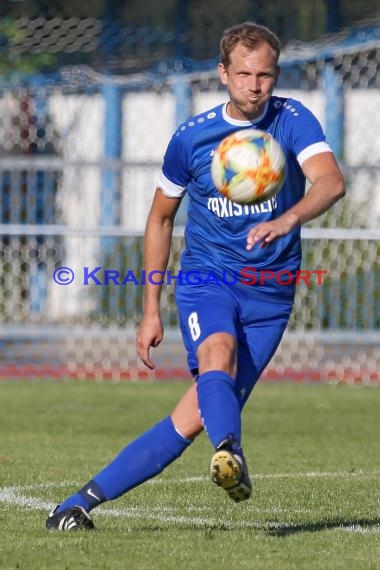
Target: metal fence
71, 298
80, 157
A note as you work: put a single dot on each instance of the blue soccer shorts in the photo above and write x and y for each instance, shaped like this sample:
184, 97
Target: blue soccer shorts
256, 321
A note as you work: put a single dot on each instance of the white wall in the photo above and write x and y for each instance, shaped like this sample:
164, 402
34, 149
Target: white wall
148, 123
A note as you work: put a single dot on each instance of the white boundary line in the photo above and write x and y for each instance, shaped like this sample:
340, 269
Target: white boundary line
14, 496
307, 475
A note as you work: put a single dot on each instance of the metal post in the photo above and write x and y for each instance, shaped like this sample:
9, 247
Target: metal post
183, 110
183, 98
334, 109
42, 188
110, 202
110, 214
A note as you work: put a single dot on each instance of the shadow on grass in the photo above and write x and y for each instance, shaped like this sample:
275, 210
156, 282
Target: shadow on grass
286, 530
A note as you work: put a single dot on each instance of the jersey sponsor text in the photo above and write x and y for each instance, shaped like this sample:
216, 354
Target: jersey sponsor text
225, 208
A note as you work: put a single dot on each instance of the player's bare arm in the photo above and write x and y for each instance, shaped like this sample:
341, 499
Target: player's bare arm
327, 186
158, 234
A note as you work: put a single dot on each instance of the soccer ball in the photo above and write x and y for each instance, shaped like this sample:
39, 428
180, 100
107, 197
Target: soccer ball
248, 166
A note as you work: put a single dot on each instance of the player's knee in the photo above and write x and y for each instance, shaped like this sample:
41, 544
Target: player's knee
187, 427
218, 352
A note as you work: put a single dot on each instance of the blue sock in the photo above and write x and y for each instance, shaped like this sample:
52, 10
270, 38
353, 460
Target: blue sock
219, 407
141, 460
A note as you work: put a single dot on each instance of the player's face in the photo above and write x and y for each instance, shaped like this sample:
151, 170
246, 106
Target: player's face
250, 79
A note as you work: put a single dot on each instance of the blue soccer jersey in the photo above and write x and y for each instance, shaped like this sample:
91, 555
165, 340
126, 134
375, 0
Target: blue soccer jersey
216, 230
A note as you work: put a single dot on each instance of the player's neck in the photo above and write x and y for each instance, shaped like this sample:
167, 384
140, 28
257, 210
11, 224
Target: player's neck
234, 115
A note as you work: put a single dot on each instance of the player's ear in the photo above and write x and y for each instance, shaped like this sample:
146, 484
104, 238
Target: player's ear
222, 70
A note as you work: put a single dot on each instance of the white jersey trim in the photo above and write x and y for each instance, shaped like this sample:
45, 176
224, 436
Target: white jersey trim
242, 123
168, 187
312, 150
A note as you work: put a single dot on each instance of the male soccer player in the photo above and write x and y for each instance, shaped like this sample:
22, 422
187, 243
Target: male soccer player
230, 331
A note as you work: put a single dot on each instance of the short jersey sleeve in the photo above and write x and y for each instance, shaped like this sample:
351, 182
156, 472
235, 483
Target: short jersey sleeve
307, 136
176, 169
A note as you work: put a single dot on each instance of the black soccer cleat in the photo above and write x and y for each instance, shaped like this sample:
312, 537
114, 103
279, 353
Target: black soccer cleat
74, 518
228, 470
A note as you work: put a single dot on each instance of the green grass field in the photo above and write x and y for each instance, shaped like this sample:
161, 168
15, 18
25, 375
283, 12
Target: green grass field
313, 450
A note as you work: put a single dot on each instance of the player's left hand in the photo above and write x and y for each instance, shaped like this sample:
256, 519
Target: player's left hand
266, 232
149, 334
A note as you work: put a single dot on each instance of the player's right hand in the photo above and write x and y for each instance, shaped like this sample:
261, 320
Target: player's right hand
149, 334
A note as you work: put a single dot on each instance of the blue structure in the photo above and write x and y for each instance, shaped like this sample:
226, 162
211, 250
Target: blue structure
183, 110
110, 199
334, 109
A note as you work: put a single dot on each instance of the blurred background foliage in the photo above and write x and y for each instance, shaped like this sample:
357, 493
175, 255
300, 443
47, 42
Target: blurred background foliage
142, 33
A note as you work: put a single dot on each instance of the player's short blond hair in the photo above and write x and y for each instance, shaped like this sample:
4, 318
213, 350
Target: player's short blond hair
251, 36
